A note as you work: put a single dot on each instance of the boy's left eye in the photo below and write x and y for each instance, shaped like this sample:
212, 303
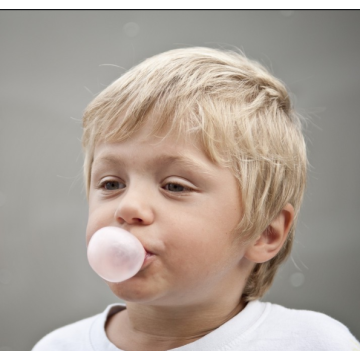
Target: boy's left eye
175, 187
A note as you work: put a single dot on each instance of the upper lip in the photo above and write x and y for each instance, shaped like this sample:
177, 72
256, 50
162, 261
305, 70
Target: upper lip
147, 251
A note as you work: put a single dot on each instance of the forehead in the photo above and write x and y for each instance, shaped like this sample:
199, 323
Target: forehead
162, 140
146, 147
188, 124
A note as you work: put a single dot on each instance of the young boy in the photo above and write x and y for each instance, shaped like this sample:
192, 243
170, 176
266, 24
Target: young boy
199, 154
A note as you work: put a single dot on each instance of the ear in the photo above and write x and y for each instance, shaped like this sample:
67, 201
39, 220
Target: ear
272, 239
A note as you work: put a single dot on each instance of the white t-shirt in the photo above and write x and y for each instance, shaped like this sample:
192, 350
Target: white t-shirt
259, 326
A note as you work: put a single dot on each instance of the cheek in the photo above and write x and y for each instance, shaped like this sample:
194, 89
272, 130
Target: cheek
208, 240
98, 218
223, 213
89, 232
193, 245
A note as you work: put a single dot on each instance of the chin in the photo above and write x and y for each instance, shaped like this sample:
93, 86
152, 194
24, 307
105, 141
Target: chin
136, 290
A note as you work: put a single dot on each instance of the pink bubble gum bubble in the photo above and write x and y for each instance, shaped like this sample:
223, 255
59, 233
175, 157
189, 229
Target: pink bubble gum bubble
115, 254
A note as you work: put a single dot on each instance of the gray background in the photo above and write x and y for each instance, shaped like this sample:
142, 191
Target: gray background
52, 64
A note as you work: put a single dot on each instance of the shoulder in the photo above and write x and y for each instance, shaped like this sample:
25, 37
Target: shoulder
309, 330
70, 337
84, 335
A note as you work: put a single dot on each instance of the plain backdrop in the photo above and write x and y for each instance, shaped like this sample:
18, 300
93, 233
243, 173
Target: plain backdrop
52, 64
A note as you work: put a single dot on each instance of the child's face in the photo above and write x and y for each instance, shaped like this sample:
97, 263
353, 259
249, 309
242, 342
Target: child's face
181, 206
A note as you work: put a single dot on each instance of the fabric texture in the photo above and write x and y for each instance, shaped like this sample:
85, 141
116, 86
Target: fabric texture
259, 326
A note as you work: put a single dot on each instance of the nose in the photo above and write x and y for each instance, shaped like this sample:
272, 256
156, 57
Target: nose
134, 207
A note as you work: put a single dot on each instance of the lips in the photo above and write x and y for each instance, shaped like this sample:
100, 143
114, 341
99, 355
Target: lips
149, 256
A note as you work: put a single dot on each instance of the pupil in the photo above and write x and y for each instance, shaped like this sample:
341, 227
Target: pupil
175, 187
111, 185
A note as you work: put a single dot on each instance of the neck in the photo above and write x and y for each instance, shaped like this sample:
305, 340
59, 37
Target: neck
143, 327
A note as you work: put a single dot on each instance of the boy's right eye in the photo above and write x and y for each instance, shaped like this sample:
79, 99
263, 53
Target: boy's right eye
112, 185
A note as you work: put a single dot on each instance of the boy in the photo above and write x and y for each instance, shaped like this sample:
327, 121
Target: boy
198, 153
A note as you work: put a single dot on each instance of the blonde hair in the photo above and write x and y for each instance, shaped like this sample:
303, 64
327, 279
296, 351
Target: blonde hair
241, 115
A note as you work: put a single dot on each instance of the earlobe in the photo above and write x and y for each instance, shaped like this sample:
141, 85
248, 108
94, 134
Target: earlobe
273, 238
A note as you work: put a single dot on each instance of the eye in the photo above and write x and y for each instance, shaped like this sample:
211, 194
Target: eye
112, 185
174, 187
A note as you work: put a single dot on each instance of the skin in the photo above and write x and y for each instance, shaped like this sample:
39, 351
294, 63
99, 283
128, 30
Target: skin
183, 209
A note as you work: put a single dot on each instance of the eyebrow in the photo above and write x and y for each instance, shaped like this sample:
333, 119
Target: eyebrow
164, 159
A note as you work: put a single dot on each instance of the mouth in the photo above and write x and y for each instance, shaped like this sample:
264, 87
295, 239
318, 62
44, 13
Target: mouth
149, 256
